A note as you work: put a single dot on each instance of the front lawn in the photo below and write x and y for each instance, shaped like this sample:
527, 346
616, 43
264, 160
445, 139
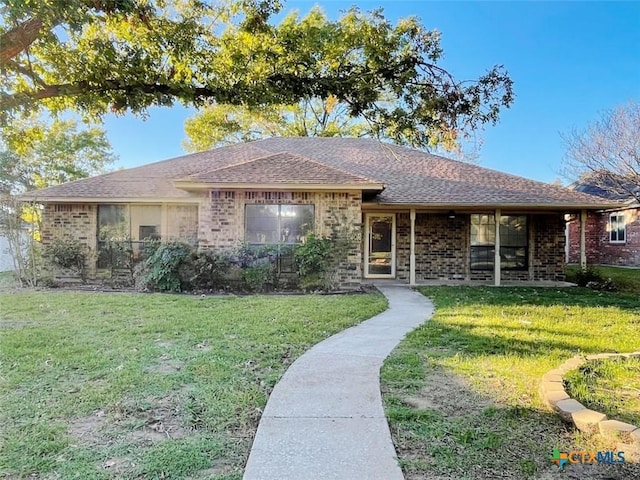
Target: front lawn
124, 386
610, 386
624, 279
461, 392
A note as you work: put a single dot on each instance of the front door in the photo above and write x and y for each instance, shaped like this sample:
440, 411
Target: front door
380, 247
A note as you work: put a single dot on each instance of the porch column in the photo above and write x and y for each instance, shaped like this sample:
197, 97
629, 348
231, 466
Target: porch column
583, 238
496, 262
412, 248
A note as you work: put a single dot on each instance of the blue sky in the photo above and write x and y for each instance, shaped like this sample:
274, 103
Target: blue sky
570, 61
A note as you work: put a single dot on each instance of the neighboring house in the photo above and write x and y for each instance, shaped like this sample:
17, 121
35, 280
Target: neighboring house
416, 216
6, 259
7, 247
612, 235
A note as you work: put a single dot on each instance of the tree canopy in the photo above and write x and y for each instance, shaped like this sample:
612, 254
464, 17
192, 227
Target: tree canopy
99, 56
607, 152
36, 153
221, 124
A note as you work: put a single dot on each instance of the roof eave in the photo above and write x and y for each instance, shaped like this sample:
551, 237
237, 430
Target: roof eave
189, 185
108, 199
493, 206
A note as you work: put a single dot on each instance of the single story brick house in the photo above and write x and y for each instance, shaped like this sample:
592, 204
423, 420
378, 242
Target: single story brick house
612, 235
417, 216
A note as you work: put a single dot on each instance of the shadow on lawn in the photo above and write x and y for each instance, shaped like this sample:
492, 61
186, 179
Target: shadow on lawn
446, 430
543, 296
518, 327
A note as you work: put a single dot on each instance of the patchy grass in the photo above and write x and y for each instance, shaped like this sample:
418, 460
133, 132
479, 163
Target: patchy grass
461, 392
128, 386
610, 386
624, 279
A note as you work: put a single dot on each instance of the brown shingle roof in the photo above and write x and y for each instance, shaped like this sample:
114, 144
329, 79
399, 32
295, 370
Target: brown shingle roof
411, 177
280, 168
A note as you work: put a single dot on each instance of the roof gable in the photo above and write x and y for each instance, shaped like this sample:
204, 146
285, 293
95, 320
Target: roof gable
280, 168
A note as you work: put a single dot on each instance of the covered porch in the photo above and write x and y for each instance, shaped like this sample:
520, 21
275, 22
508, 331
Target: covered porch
420, 246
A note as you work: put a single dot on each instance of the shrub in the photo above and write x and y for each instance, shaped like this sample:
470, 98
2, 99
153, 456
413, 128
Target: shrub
590, 278
69, 255
259, 265
256, 278
204, 270
319, 259
312, 260
162, 266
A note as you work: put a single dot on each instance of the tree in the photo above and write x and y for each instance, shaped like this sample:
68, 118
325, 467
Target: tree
35, 153
607, 151
218, 124
120, 55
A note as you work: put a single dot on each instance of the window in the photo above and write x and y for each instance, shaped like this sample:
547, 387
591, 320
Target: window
513, 242
274, 224
137, 223
145, 222
112, 217
617, 228
483, 239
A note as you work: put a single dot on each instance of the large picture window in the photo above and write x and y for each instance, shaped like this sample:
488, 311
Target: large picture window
617, 228
513, 242
274, 224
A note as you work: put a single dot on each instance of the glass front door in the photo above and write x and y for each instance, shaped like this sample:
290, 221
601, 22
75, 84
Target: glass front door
380, 261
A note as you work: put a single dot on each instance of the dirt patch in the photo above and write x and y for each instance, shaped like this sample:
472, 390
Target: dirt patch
89, 430
165, 365
150, 421
449, 395
156, 426
143, 422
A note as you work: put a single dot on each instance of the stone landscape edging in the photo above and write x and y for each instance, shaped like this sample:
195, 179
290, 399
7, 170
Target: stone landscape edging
585, 419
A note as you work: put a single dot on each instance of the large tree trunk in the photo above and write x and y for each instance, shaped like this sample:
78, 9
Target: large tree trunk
19, 38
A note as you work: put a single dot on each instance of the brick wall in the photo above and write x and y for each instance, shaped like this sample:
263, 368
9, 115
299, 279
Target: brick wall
441, 246
547, 257
443, 249
182, 223
598, 247
221, 222
71, 222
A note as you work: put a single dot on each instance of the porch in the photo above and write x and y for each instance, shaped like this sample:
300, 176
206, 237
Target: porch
464, 247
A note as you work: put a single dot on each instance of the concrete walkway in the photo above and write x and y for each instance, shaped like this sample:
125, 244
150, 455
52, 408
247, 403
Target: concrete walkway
324, 419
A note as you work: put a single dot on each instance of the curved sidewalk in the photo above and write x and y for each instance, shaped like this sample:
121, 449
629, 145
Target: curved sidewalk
324, 419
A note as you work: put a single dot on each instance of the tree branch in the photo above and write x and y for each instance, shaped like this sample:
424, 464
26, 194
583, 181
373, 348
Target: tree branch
19, 38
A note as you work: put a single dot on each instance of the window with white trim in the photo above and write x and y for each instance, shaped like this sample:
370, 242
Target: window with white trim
617, 228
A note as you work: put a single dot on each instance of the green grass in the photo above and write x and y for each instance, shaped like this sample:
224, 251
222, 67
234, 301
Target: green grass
99, 386
625, 279
461, 392
610, 386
